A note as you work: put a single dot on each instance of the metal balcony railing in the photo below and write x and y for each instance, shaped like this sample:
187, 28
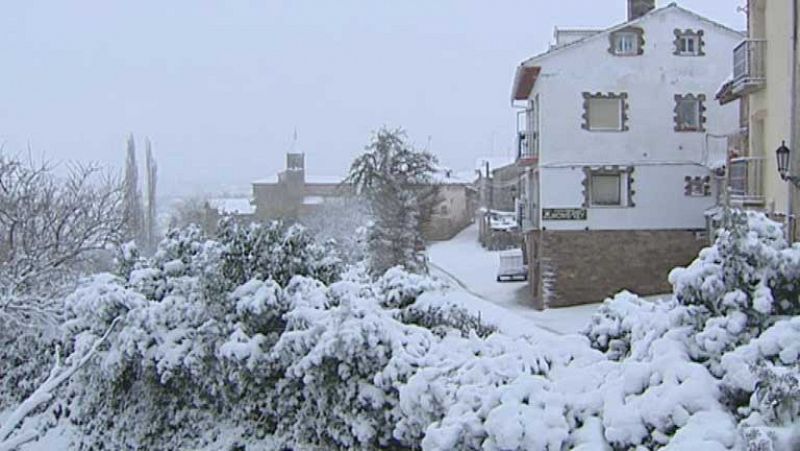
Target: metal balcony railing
746, 180
749, 71
738, 145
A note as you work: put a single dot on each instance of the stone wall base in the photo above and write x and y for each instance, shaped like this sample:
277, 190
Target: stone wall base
579, 267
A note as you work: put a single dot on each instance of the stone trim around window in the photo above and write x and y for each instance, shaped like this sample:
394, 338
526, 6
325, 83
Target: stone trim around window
697, 186
701, 99
625, 173
639, 33
689, 33
623, 96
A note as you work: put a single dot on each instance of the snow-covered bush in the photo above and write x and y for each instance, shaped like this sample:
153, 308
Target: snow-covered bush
749, 277
628, 321
193, 343
716, 365
399, 288
261, 251
349, 359
443, 319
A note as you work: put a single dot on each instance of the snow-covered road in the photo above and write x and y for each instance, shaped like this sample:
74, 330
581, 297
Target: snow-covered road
472, 270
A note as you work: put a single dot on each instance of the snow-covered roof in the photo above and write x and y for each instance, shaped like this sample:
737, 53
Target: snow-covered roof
523, 77
446, 176
325, 179
313, 200
233, 206
310, 179
267, 180
494, 162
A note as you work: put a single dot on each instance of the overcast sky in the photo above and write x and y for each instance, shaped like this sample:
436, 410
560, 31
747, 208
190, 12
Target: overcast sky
219, 86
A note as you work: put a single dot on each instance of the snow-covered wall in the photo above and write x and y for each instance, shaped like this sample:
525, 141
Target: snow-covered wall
661, 156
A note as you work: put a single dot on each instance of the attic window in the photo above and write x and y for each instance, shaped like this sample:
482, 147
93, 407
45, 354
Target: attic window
689, 43
605, 112
690, 113
627, 42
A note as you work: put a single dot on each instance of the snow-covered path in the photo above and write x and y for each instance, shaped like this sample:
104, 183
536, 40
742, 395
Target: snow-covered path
472, 270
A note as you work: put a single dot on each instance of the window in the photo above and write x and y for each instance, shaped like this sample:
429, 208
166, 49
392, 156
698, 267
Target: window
606, 190
697, 186
689, 43
627, 42
689, 113
608, 187
605, 112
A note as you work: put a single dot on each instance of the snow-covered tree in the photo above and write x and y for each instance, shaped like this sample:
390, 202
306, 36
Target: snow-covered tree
54, 229
396, 180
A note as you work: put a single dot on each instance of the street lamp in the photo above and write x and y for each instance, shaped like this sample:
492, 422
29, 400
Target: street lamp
783, 165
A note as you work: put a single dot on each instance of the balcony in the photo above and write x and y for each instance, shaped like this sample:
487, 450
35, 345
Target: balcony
749, 72
738, 143
527, 148
746, 181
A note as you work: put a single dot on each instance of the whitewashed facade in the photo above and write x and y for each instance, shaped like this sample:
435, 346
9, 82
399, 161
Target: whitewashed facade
630, 107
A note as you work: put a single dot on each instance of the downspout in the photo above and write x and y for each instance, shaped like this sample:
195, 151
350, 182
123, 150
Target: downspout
793, 139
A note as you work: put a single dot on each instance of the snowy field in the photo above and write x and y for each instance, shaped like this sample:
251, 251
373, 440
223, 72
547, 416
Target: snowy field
472, 271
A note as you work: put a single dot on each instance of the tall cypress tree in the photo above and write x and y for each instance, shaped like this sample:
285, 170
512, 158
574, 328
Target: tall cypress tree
151, 178
132, 199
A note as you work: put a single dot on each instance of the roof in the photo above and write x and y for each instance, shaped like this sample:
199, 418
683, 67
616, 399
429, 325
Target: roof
313, 200
446, 176
494, 163
522, 78
232, 206
310, 180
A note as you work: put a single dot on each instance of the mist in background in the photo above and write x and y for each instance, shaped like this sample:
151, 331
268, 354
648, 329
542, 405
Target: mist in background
220, 87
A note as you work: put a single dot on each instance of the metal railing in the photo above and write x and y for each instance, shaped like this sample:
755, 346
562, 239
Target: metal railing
746, 180
748, 64
738, 144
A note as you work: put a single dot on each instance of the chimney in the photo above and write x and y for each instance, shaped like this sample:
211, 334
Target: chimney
638, 8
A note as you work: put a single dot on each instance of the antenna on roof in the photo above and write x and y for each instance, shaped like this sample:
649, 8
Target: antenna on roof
293, 145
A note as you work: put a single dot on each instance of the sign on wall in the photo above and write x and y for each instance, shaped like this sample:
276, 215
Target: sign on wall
564, 214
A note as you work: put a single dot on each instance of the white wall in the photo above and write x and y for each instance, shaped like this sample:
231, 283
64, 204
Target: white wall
651, 145
659, 199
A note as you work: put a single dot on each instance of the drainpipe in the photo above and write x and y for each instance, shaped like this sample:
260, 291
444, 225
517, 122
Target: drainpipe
793, 138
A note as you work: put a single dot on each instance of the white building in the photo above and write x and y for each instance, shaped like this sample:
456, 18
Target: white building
617, 135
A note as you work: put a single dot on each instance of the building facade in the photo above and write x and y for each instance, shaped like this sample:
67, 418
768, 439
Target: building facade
615, 155
764, 86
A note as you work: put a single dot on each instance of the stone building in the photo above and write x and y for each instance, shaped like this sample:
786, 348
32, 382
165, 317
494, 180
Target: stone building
291, 193
239, 208
616, 171
455, 208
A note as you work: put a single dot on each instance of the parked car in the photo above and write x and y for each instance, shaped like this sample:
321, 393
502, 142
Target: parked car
512, 266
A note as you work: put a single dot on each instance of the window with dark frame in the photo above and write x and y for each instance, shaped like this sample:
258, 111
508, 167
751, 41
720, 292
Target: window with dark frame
605, 112
690, 113
608, 187
697, 186
689, 43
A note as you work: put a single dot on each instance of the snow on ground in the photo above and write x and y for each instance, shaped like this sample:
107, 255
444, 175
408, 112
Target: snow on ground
473, 270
